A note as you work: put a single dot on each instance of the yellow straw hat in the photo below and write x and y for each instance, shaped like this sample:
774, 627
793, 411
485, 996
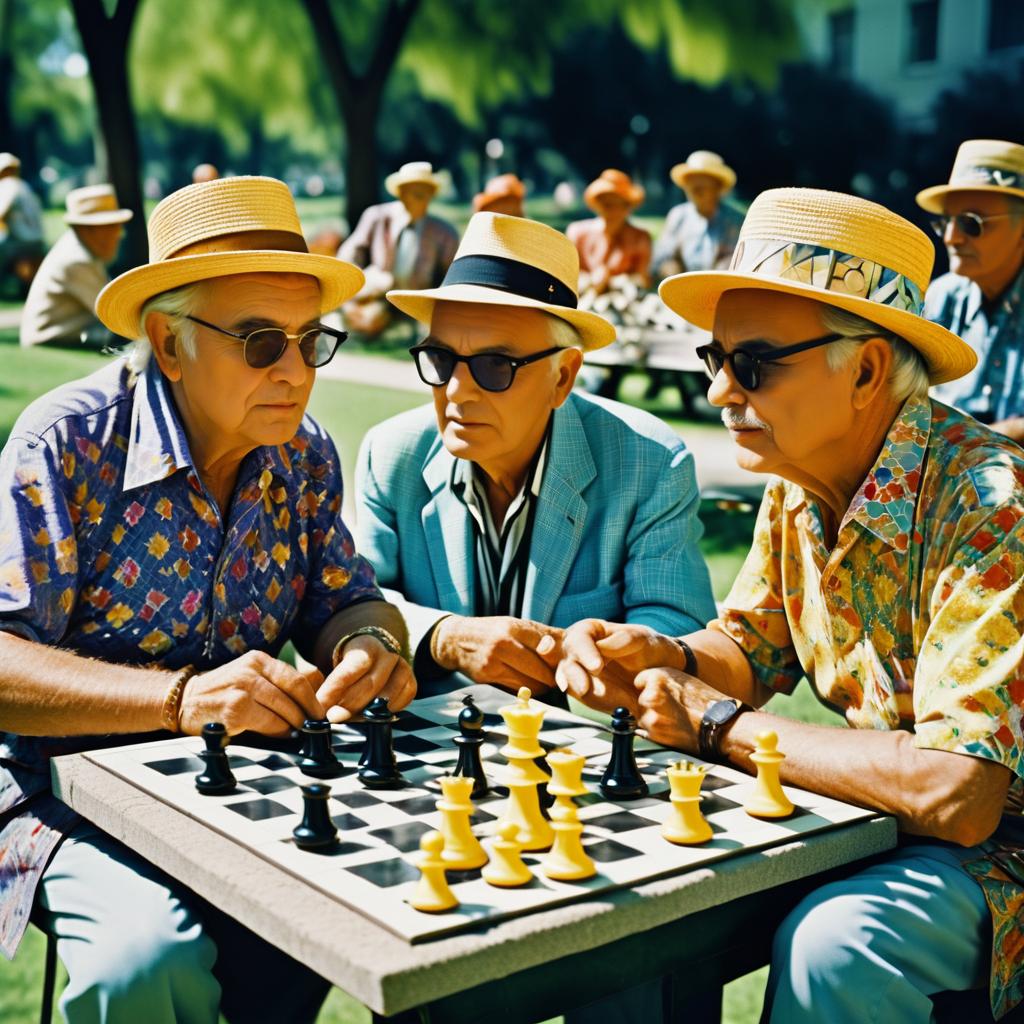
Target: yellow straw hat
836, 249
613, 182
94, 204
244, 225
981, 165
511, 261
703, 161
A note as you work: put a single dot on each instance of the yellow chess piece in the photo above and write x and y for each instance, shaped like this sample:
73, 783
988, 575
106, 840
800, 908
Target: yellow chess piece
462, 850
524, 719
685, 824
506, 867
522, 776
567, 861
433, 893
768, 800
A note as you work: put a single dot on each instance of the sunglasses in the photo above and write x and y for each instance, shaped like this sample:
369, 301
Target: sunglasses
491, 370
970, 224
264, 346
746, 365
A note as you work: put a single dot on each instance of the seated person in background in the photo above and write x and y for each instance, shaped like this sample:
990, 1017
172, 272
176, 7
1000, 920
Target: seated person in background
399, 245
886, 567
60, 306
503, 194
204, 172
513, 505
166, 525
21, 224
981, 220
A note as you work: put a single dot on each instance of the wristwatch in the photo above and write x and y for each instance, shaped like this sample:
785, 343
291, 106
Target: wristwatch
715, 719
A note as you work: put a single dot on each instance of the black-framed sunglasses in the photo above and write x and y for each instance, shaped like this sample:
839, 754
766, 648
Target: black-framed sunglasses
746, 364
264, 346
491, 370
970, 224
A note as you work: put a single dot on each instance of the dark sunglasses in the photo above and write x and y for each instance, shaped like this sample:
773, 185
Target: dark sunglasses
264, 346
491, 370
746, 365
970, 224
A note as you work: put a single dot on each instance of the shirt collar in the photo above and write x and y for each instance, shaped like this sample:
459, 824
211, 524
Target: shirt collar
157, 446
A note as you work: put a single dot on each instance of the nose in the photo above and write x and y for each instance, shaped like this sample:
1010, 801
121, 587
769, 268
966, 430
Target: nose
290, 367
461, 385
953, 235
723, 389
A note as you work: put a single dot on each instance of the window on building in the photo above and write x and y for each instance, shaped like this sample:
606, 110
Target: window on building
840, 39
1005, 24
923, 36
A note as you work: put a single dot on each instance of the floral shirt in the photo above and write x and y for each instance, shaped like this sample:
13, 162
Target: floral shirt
914, 619
111, 546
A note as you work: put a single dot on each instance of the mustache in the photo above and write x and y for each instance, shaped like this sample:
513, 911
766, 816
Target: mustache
747, 420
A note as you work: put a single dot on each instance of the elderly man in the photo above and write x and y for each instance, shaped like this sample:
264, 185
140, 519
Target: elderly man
166, 525
980, 218
21, 224
399, 245
886, 567
513, 506
502, 194
61, 300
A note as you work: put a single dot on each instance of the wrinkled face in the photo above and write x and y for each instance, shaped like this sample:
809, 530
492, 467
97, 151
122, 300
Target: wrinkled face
102, 240
248, 406
486, 426
416, 198
801, 407
1000, 245
613, 208
704, 191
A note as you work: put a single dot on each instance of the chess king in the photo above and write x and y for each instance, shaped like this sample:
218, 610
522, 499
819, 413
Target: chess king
166, 524
886, 567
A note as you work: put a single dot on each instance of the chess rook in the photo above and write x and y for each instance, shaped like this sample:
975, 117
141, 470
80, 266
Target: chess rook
378, 769
433, 895
316, 831
215, 779
622, 779
522, 776
768, 800
462, 849
469, 741
685, 825
317, 757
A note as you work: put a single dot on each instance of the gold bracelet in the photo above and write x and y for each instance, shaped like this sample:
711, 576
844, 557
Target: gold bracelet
379, 633
171, 713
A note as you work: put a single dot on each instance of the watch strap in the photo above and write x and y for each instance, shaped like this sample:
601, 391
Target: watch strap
709, 740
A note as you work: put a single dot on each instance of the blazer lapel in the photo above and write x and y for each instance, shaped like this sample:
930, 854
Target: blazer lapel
449, 536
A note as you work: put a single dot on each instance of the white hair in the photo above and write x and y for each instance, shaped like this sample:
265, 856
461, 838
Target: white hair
177, 303
909, 373
561, 333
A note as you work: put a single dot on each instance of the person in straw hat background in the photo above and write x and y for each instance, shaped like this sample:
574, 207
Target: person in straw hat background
885, 567
169, 522
59, 309
979, 215
399, 245
512, 505
502, 194
21, 225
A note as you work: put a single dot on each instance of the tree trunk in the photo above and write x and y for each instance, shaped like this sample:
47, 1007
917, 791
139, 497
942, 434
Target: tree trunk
6, 75
362, 166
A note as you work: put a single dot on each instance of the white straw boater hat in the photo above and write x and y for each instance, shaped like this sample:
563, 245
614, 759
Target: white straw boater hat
511, 261
94, 204
837, 249
981, 165
243, 225
703, 161
417, 172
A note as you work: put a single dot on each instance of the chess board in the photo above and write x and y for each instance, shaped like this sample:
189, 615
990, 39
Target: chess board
371, 869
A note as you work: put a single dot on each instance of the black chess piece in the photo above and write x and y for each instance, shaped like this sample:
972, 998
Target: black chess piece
622, 779
378, 769
215, 779
469, 741
316, 831
317, 757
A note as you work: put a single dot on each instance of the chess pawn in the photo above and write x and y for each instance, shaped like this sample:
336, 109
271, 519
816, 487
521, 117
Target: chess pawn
216, 777
433, 894
567, 861
524, 720
768, 799
506, 868
462, 849
685, 824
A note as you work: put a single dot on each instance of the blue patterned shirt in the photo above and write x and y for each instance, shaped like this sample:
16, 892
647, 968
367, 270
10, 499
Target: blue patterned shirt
694, 241
112, 547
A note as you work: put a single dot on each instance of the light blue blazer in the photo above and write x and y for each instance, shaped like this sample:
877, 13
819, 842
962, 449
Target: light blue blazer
615, 534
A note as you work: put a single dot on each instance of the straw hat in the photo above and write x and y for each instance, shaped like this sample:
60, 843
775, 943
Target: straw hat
512, 261
836, 249
217, 228
504, 186
617, 183
94, 204
9, 162
703, 161
408, 174
981, 165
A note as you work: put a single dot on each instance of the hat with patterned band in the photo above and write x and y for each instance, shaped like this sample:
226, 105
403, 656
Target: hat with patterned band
981, 165
511, 261
243, 225
837, 249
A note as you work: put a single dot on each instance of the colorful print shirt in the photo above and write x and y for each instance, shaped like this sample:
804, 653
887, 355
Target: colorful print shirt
111, 546
914, 619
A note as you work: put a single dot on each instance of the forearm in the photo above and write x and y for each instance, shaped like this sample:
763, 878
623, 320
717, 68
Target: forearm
348, 620
47, 691
721, 663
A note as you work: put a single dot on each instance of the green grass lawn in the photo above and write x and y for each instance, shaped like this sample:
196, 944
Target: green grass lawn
347, 411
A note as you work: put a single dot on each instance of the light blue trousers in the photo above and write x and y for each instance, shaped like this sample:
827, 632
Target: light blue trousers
876, 945
139, 947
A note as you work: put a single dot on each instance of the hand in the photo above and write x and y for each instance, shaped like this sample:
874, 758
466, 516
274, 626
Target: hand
1012, 427
254, 692
366, 669
671, 706
499, 649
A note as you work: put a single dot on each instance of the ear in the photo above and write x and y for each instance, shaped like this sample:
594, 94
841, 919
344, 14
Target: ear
569, 363
161, 336
872, 366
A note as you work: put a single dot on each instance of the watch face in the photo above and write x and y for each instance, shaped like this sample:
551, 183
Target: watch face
721, 711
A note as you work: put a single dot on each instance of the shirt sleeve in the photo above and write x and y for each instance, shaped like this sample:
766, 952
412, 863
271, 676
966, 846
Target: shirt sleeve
753, 614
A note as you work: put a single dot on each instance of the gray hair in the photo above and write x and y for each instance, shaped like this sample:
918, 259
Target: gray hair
177, 303
909, 373
561, 333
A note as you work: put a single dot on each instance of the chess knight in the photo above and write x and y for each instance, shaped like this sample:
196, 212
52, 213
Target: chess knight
886, 567
166, 525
